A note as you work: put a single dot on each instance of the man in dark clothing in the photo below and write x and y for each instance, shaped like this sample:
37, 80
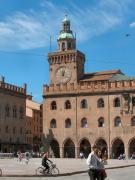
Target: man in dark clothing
45, 162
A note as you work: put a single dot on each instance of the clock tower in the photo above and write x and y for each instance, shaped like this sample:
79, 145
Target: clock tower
67, 63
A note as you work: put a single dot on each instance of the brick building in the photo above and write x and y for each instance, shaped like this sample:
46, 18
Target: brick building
12, 117
82, 109
34, 124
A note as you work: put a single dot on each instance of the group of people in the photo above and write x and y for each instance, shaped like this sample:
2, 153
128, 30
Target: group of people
95, 162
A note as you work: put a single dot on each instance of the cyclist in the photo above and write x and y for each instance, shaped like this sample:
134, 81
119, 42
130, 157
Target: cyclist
45, 162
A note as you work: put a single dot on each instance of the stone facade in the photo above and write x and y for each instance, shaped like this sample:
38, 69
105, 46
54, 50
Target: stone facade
34, 126
83, 109
12, 117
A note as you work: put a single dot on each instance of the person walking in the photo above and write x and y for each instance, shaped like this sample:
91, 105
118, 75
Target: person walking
100, 165
92, 162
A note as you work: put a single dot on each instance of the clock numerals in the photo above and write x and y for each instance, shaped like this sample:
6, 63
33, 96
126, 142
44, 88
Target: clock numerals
63, 75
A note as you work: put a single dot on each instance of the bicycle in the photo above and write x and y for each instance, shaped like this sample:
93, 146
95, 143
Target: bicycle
53, 170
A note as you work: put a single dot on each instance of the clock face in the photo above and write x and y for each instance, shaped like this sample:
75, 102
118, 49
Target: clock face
63, 75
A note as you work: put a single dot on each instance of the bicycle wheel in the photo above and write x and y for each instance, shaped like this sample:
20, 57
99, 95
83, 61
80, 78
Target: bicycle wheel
54, 171
39, 170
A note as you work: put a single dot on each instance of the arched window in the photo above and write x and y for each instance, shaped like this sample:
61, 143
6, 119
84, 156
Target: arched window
133, 101
67, 123
7, 111
133, 121
14, 130
14, 112
6, 129
116, 102
69, 45
84, 123
84, 104
53, 123
100, 103
63, 46
117, 121
101, 122
53, 105
67, 105
21, 113
21, 130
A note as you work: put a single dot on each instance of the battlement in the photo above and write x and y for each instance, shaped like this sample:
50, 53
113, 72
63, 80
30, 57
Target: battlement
90, 87
66, 56
13, 88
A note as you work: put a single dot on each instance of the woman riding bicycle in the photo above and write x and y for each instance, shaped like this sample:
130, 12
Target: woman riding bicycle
45, 162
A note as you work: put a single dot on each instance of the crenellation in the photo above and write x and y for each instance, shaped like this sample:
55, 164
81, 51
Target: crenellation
91, 87
13, 88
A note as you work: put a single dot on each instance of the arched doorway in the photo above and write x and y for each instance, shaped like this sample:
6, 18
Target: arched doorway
54, 149
85, 147
132, 147
69, 149
117, 148
103, 146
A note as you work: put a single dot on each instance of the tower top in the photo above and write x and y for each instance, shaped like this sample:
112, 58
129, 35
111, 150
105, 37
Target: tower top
66, 39
65, 18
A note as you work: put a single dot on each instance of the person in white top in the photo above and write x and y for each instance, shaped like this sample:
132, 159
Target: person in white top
92, 162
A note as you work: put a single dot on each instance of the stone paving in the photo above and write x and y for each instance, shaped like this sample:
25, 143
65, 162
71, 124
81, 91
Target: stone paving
12, 167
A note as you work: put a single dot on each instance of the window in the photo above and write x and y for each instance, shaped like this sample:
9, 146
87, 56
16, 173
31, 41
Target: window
101, 122
53, 105
67, 123
14, 130
133, 101
84, 123
67, 105
133, 121
63, 46
6, 129
7, 111
100, 103
69, 45
117, 121
21, 130
21, 113
53, 123
116, 102
84, 104
14, 112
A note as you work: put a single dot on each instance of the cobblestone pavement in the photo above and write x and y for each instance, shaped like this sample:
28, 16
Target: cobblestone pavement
14, 167
126, 173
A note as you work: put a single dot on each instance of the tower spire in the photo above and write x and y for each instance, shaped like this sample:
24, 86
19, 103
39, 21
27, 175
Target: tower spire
66, 39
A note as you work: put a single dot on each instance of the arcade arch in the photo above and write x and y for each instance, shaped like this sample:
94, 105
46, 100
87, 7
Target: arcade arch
117, 148
69, 149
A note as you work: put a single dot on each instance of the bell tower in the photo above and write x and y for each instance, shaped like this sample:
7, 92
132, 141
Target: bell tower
66, 39
67, 63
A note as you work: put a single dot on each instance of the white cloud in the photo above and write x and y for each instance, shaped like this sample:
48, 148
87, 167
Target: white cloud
32, 30
132, 24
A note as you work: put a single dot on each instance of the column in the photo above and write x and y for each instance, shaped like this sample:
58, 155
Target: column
61, 152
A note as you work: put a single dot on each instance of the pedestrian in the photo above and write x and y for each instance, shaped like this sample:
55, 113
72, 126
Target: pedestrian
100, 165
81, 155
92, 162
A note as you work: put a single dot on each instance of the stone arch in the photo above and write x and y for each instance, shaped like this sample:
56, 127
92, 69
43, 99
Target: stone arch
117, 148
85, 147
54, 149
131, 147
101, 142
69, 148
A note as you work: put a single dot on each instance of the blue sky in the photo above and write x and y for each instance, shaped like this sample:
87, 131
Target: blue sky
101, 27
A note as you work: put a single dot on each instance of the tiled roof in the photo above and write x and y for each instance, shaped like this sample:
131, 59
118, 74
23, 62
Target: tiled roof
101, 76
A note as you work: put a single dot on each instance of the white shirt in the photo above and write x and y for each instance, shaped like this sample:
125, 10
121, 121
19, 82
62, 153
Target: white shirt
92, 161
